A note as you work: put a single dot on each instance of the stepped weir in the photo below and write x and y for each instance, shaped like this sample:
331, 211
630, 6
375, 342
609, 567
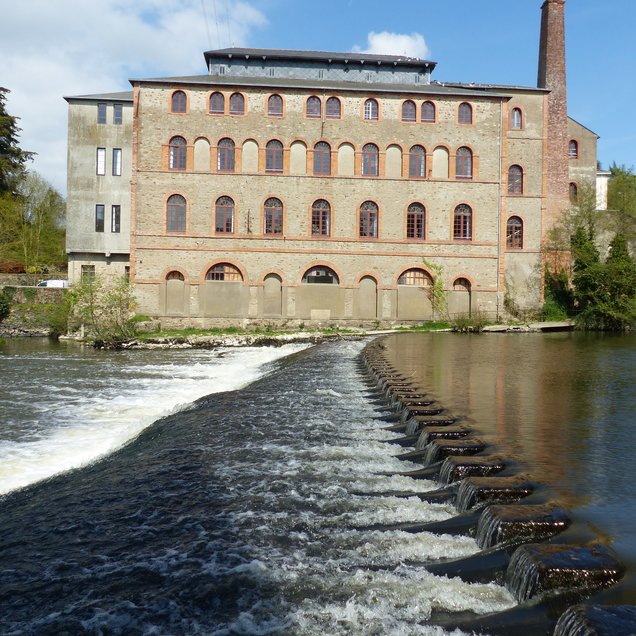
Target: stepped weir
525, 538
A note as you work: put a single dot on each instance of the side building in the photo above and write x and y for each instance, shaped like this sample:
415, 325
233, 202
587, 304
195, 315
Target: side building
99, 168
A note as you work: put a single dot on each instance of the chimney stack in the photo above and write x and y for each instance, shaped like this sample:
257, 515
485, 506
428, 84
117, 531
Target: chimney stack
552, 76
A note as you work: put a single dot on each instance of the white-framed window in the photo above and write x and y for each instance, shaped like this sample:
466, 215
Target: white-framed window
115, 219
99, 217
100, 167
116, 162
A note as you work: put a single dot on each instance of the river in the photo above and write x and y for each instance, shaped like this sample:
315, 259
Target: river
229, 491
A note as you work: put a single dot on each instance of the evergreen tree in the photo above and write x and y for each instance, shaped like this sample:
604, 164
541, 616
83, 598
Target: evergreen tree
12, 157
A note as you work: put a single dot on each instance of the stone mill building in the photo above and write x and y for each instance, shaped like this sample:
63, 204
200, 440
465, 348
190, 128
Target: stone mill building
300, 186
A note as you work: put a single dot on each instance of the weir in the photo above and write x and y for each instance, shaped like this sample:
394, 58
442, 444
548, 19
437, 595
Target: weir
505, 511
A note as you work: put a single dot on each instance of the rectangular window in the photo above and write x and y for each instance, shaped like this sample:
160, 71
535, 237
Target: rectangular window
100, 168
116, 162
115, 219
101, 113
127, 272
118, 110
99, 217
88, 273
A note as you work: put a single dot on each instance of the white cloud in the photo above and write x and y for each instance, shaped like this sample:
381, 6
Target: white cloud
387, 43
78, 47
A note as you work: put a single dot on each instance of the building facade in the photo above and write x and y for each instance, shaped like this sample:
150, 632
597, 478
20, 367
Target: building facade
296, 186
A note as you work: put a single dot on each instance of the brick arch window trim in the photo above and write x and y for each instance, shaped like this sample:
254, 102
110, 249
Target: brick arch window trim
369, 218
320, 274
515, 179
177, 153
573, 149
226, 153
176, 214
217, 103
463, 223
333, 108
417, 162
224, 272
322, 158
464, 163
275, 105
274, 157
273, 216
409, 111
514, 233
237, 104
175, 275
462, 284
224, 215
370, 160
178, 102
415, 277
321, 218
416, 222
371, 110
573, 192
429, 112
465, 113
313, 107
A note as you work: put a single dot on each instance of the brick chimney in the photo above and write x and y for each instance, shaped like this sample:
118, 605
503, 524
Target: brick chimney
552, 76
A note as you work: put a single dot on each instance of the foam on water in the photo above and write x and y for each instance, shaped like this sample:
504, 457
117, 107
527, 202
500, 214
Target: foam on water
73, 425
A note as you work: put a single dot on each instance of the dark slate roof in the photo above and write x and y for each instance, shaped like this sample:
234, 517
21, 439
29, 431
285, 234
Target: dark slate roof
434, 88
318, 56
126, 96
496, 87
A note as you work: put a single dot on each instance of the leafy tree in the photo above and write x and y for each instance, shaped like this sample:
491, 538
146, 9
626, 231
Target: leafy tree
12, 157
32, 224
621, 203
605, 293
105, 308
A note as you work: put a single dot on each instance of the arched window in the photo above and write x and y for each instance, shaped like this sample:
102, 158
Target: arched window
417, 162
275, 106
462, 284
224, 272
465, 113
217, 103
428, 112
273, 216
333, 109
370, 160
321, 218
464, 163
416, 221
225, 155
314, 107
174, 275
177, 153
178, 103
274, 156
515, 180
237, 104
415, 277
514, 233
321, 274
409, 111
516, 119
463, 223
322, 158
573, 149
574, 192
224, 216
176, 214
369, 220
371, 110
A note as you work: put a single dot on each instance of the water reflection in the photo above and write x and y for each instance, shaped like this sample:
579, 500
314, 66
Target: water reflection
562, 404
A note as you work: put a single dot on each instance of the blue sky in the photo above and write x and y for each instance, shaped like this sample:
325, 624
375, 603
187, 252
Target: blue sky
72, 47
